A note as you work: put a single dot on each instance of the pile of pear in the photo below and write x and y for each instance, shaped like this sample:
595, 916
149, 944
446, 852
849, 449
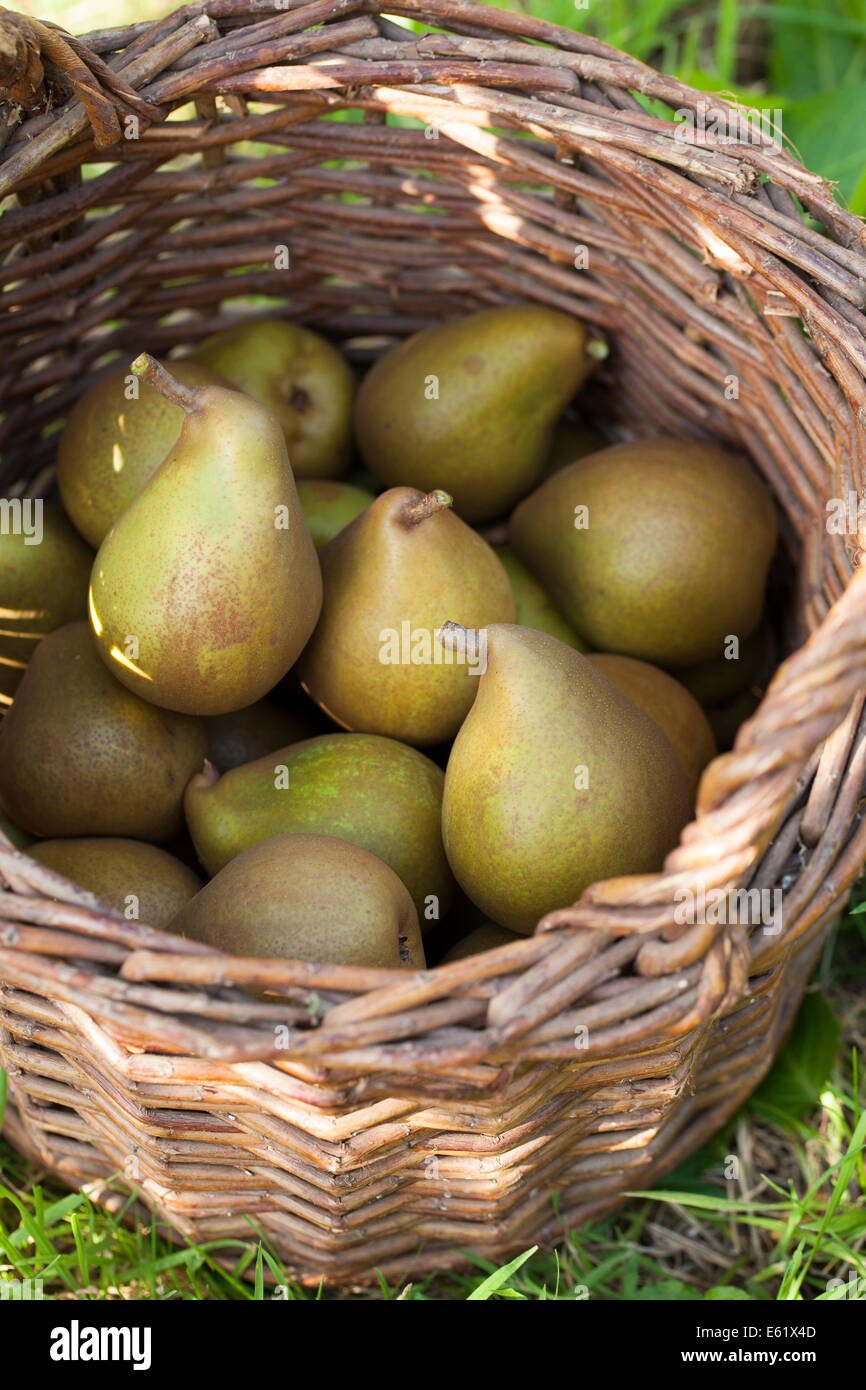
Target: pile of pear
370, 673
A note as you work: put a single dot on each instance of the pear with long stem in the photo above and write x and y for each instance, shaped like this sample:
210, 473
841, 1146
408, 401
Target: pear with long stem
207, 587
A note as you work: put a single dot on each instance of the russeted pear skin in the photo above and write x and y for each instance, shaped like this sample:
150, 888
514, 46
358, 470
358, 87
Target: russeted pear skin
470, 405
311, 898
143, 882
676, 712
656, 549
555, 780
373, 663
44, 569
207, 587
302, 379
534, 607
376, 792
115, 437
81, 755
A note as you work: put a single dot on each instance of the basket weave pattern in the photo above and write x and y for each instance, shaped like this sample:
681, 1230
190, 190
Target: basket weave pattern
371, 1118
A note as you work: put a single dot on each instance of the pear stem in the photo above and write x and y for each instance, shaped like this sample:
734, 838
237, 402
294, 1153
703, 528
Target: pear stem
162, 381
453, 637
428, 505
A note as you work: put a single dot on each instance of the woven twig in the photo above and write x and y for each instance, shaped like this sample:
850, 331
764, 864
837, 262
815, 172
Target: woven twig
370, 1117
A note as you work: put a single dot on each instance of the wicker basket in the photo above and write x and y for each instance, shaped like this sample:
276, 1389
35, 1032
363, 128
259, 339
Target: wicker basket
372, 1118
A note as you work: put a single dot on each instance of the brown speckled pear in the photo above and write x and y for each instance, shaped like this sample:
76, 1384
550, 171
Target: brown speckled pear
205, 590
44, 569
656, 549
304, 382
146, 884
80, 755
373, 663
555, 780
676, 712
114, 441
307, 897
470, 405
376, 792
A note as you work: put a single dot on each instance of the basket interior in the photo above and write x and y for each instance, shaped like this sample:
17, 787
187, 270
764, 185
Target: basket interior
368, 181
398, 180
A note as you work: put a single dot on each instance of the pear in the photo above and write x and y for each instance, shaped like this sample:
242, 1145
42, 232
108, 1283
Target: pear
18, 837
80, 755
534, 608
555, 780
304, 382
329, 506
248, 734
676, 712
470, 405
144, 883
207, 587
656, 549
44, 569
115, 437
373, 663
737, 667
311, 898
380, 794
485, 938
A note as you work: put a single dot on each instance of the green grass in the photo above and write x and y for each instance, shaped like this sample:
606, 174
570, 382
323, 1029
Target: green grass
775, 1206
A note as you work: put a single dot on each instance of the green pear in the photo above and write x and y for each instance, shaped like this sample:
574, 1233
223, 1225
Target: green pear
304, 382
329, 506
676, 712
485, 938
144, 883
44, 569
534, 608
311, 898
115, 437
251, 733
555, 780
656, 549
207, 587
471, 405
380, 794
373, 663
80, 755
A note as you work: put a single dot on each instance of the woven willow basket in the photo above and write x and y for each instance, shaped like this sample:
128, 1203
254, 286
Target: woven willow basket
372, 1118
